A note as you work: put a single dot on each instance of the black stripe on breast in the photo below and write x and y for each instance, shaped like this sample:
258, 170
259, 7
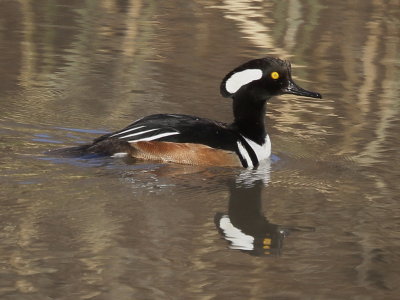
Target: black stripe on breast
251, 153
242, 159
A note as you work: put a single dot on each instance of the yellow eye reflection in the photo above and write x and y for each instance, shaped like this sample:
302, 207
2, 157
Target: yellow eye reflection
274, 75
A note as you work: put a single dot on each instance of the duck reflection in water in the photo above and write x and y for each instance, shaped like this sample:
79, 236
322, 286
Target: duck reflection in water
244, 226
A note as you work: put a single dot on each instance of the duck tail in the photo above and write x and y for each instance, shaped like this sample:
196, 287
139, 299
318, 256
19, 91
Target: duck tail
77, 151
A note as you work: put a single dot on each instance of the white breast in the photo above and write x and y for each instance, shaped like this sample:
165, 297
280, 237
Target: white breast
263, 152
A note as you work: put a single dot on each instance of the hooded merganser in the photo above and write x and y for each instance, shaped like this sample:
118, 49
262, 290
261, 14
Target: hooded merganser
197, 141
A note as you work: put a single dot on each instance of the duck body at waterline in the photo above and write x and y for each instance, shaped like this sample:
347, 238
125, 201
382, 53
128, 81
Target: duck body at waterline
185, 139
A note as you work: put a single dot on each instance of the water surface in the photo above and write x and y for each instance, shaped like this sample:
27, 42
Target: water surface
320, 221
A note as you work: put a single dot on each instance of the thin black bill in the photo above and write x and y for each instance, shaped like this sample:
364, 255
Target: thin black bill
294, 89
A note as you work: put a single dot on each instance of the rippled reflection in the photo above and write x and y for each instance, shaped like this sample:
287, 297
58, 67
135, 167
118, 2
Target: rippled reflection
244, 225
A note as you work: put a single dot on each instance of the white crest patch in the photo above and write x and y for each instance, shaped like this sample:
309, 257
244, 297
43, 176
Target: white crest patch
239, 79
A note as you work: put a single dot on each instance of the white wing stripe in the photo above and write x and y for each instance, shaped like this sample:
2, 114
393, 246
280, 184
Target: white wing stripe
137, 133
154, 137
128, 130
119, 155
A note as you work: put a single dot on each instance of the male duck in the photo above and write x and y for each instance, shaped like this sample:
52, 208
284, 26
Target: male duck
192, 140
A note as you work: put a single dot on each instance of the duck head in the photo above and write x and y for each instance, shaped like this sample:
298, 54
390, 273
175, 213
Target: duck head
262, 79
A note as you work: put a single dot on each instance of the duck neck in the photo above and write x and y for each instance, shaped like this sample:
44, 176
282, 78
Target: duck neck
249, 114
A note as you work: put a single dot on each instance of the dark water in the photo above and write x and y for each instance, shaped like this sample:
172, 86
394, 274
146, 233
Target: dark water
322, 221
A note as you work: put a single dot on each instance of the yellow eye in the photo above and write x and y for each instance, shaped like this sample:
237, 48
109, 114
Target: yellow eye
274, 75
